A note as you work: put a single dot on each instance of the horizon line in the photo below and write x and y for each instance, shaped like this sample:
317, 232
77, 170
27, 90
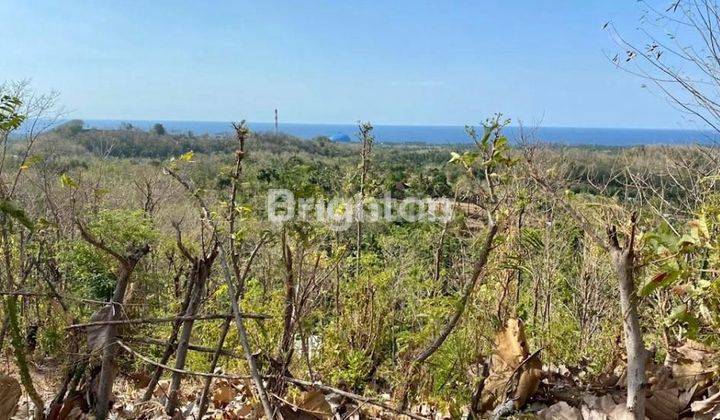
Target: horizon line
528, 127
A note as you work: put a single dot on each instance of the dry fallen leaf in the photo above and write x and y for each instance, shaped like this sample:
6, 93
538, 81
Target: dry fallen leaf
693, 365
695, 351
161, 391
315, 402
664, 404
9, 395
223, 393
139, 380
510, 351
560, 411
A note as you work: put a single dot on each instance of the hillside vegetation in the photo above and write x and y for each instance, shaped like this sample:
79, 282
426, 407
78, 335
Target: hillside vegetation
142, 258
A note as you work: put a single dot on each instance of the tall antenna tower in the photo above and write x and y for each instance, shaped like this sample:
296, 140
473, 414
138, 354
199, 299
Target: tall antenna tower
276, 122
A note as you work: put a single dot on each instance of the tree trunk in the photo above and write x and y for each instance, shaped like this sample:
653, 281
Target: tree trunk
285, 351
169, 347
633, 338
624, 263
224, 331
242, 337
107, 367
213, 364
19, 350
200, 274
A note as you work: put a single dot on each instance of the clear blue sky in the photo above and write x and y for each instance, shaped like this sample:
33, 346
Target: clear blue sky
391, 62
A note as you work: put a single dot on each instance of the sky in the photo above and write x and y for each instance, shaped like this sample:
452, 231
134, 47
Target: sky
389, 62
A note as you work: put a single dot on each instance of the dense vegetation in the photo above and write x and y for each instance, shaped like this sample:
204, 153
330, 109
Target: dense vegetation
393, 307
573, 278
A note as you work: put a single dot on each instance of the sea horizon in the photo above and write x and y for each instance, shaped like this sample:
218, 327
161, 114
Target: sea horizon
434, 134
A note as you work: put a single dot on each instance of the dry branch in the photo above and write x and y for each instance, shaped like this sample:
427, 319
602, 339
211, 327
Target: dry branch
295, 381
181, 371
170, 319
62, 297
193, 347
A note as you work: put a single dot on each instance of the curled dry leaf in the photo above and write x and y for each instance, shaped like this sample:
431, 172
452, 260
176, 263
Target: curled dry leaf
312, 406
511, 359
315, 402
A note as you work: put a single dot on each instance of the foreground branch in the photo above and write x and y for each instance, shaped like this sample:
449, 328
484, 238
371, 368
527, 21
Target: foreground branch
170, 319
450, 326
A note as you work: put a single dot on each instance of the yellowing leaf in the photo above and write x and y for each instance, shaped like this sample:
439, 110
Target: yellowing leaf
187, 157
67, 182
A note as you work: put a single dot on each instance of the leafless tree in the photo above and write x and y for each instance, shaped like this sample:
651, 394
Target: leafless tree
623, 259
677, 54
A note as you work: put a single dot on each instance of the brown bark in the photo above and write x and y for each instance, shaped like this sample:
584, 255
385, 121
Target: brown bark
226, 258
107, 367
365, 151
169, 319
126, 266
241, 133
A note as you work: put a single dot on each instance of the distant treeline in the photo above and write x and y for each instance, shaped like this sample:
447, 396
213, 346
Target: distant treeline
588, 166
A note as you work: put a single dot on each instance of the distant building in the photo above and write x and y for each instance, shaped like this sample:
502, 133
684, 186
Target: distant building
340, 138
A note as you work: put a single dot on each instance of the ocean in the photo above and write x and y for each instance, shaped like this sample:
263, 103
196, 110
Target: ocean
438, 134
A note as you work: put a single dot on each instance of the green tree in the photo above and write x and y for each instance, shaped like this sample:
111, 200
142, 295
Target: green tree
158, 129
71, 128
13, 112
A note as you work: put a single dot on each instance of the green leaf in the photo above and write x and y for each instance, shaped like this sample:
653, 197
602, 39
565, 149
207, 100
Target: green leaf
13, 210
659, 280
682, 315
10, 118
468, 158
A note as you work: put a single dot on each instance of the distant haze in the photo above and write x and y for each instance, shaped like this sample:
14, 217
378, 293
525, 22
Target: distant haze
436, 134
